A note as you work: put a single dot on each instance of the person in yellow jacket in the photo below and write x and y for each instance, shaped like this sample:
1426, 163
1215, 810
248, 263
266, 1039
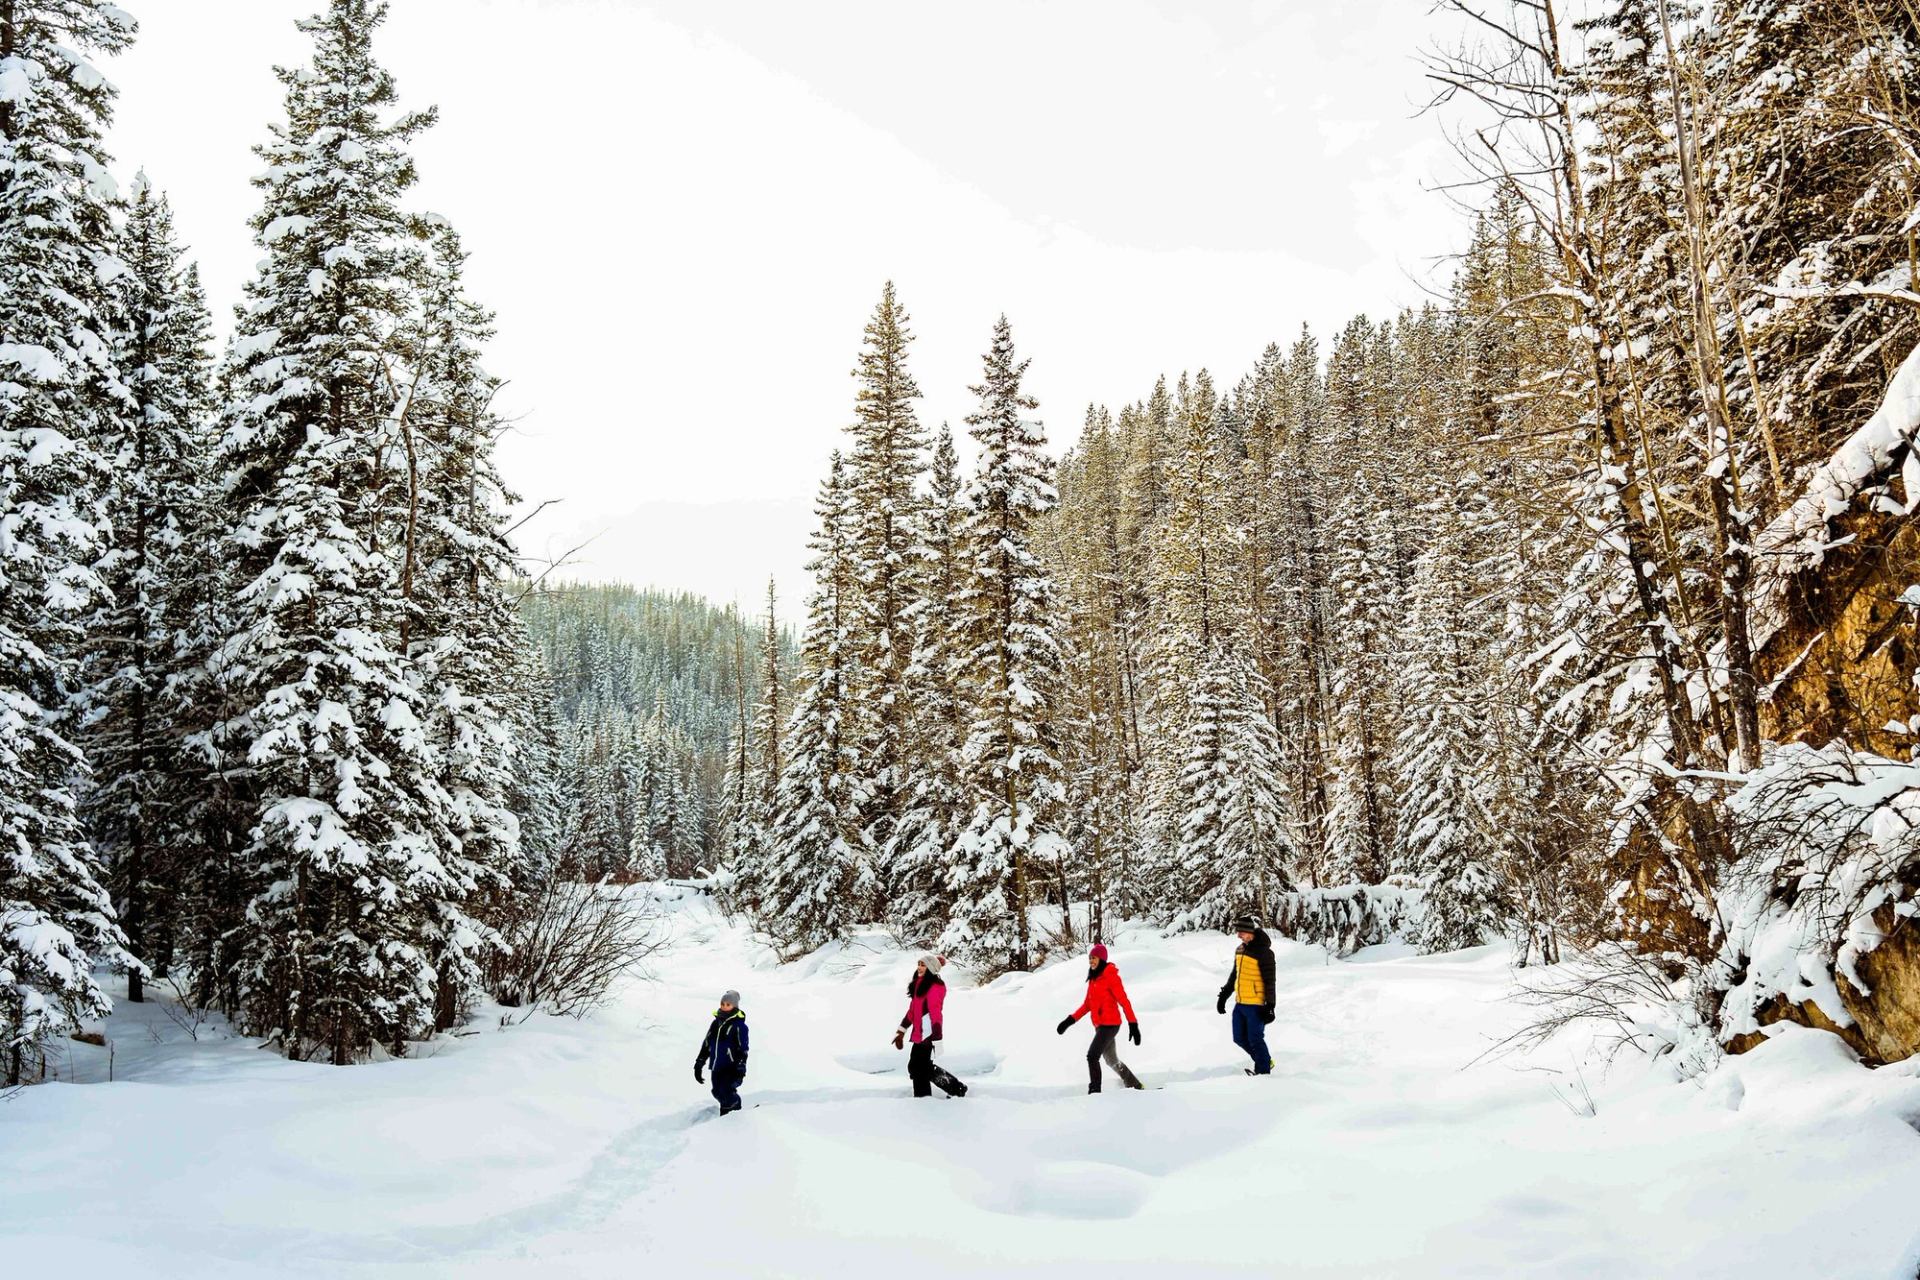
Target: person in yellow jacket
1251, 987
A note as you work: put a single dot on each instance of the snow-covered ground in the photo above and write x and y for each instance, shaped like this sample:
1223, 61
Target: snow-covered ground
1379, 1148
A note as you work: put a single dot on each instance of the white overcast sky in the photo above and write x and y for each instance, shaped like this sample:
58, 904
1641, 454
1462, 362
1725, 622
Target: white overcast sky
683, 213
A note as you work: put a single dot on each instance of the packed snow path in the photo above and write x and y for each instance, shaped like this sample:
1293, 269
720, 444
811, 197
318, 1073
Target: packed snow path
1379, 1148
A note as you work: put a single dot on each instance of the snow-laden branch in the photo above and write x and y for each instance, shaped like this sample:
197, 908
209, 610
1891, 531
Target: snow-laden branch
1797, 540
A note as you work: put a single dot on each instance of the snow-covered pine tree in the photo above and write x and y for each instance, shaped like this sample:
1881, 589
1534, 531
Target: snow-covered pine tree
1146, 439
1198, 605
1233, 852
538, 788
1013, 675
461, 633
1446, 842
658, 813
1359, 811
597, 843
1503, 365
346, 860
646, 855
693, 821
938, 805
62, 398
821, 877
1099, 623
737, 819
1261, 400
1295, 488
769, 714
651, 820
884, 466
1197, 611
750, 854
143, 663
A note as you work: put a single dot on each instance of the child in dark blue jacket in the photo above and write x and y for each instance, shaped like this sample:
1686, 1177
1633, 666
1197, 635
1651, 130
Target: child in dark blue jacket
725, 1047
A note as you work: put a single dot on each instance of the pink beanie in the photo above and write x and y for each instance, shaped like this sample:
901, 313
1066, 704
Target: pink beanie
1099, 951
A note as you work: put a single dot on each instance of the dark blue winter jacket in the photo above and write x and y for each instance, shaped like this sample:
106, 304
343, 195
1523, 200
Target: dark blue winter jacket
725, 1045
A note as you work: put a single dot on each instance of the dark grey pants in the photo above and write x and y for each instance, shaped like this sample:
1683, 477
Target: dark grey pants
1103, 1046
925, 1073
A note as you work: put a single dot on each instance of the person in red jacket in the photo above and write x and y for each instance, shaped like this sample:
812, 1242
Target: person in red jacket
1106, 1001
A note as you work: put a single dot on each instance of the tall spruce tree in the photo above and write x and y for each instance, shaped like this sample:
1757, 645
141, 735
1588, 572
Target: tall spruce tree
1101, 760
938, 805
540, 782
1359, 813
737, 817
62, 399
1197, 609
144, 672
1446, 840
349, 859
1014, 675
821, 878
461, 633
884, 466
1233, 852
752, 852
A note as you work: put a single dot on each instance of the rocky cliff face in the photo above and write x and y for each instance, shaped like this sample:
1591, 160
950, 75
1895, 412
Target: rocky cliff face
1840, 662
1839, 648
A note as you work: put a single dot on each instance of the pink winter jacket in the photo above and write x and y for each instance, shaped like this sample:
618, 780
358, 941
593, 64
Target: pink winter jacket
929, 1004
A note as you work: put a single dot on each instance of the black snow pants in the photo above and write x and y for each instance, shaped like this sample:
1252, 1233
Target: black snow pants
922, 1070
1103, 1047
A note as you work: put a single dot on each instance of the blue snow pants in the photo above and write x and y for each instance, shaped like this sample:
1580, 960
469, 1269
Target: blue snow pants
725, 1088
1250, 1033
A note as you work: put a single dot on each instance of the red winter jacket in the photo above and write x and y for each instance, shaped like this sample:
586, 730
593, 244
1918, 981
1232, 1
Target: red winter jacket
1106, 999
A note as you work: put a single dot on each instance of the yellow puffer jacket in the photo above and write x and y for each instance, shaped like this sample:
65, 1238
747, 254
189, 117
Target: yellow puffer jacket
1249, 987
1252, 979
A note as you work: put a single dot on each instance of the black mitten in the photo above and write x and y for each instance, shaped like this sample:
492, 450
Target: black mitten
1062, 1028
1133, 1032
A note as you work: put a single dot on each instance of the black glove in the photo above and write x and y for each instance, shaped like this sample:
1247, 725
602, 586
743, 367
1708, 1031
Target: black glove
1133, 1032
698, 1077
1266, 1016
1221, 1003
1062, 1028
936, 1031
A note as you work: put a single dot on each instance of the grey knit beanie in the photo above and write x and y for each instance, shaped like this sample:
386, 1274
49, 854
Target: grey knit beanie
730, 997
932, 963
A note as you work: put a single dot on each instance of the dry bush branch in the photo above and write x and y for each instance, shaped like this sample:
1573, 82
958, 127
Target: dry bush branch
571, 942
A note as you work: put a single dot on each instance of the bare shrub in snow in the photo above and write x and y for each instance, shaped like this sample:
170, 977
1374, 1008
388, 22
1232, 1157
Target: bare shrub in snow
1629, 997
571, 942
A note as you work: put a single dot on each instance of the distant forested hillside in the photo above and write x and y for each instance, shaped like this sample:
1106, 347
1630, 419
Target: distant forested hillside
648, 698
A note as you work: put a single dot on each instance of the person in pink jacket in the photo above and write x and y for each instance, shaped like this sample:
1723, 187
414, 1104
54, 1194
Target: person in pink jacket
926, 1002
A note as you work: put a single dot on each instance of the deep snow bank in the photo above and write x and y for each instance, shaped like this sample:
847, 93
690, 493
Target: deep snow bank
1380, 1148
